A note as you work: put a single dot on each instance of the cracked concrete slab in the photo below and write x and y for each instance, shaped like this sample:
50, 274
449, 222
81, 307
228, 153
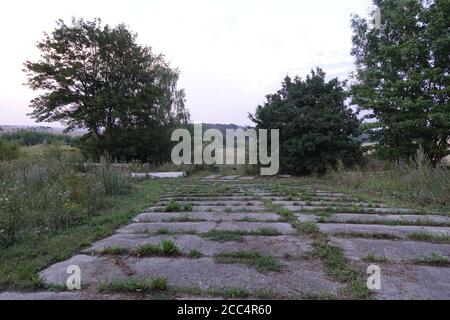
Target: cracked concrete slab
278, 246
209, 216
400, 282
180, 227
282, 227
296, 278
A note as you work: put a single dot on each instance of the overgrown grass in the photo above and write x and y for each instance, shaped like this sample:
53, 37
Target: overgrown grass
174, 206
417, 185
429, 237
166, 248
44, 195
338, 268
32, 251
228, 235
434, 259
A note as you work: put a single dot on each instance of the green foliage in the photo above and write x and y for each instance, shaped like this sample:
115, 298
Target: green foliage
316, 128
49, 194
32, 138
403, 77
9, 150
194, 253
166, 247
97, 77
174, 206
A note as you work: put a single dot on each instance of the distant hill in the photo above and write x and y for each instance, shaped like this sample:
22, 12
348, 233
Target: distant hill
55, 130
223, 127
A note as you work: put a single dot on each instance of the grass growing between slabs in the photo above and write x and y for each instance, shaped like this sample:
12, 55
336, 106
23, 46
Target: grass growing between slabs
261, 262
336, 264
21, 262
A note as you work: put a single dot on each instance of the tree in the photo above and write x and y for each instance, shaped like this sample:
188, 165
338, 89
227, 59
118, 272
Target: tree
97, 77
316, 128
403, 76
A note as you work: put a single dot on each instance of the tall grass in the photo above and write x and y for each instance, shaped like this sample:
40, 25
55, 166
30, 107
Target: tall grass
42, 195
9, 150
417, 184
114, 180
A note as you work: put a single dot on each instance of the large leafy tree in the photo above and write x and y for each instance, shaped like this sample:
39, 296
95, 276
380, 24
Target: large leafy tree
316, 127
403, 76
98, 78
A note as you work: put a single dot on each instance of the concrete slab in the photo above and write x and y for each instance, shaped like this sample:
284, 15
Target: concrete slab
367, 218
399, 282
229, 177
180, 227
297, 277
278, 246
74, 295
396, 251
209, 216
233, 203
344, 208
328, 203
282, 227
212, 177
218, 208
210, 198
399, 231
158, 175
306, 217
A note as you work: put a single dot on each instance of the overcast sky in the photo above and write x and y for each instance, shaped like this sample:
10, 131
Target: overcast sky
230, 53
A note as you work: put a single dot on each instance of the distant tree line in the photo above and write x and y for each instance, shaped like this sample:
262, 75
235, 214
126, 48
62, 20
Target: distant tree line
31, 138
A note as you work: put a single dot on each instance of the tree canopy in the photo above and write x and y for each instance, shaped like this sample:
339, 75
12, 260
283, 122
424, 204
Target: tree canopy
317, 129
403, 76
99, 78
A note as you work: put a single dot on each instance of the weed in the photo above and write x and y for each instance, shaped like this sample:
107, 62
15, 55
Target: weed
263, 263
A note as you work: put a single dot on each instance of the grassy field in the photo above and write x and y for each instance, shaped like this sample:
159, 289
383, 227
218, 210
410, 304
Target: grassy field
51, 207
20, 262
421, 188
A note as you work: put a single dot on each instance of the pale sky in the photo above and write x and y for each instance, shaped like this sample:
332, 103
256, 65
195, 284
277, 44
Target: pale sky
230, 53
